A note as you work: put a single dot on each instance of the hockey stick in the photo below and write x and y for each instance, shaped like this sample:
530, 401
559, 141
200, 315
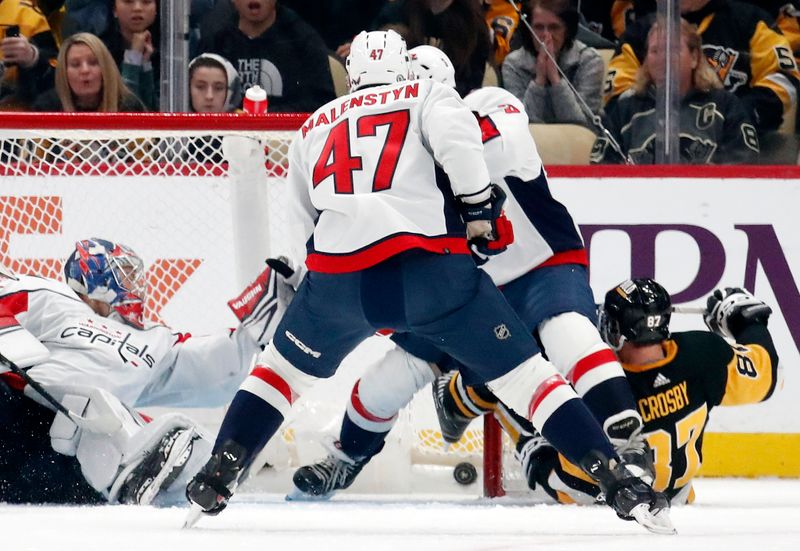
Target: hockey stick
689, 309
104, 423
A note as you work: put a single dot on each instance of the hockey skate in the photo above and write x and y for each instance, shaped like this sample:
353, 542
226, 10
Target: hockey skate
452, 423
210, 490
158, 469
632, 447
628, 495
531, 452
320, 481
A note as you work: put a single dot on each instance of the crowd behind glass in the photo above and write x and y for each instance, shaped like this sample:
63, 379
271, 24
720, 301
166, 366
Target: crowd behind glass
592, 65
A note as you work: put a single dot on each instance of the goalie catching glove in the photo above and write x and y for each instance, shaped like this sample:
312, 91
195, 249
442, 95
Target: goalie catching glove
728, 312
262, 304
489, 232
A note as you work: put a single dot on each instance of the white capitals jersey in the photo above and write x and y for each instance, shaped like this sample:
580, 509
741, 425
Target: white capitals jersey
544, 232
140, 367
363, 176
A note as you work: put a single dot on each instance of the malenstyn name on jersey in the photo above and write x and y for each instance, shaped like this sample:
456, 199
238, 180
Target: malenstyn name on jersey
368, 98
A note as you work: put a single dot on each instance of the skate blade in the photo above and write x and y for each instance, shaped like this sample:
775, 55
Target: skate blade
658, 523
298, 495
195, 512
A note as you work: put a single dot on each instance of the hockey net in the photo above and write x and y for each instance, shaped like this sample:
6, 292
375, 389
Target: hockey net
203, 216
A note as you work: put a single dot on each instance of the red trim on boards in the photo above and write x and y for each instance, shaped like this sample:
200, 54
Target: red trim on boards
675, 171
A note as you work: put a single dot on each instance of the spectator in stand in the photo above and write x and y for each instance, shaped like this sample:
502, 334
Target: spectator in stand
214, 85
714, 126
609, 18
270, 45
787, 17
91, 16
531, 74
87, 79
326, 17
502, 19
55, 12
27, 48
751, 58
457, 27
133, 40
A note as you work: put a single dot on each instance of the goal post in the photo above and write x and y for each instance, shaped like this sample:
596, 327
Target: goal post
200, 197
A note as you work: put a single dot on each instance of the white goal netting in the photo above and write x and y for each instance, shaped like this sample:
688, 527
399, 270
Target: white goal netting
202, 215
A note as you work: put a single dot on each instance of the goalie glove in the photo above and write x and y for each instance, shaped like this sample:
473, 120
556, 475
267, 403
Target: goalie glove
260, 307
728, 312
489, 232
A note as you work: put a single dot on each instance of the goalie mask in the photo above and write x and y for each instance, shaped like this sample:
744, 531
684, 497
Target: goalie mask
111, 273
637, 311
377, 57
428, 62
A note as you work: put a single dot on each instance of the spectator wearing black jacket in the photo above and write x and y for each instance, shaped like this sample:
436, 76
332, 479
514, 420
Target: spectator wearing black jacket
27, 54
751, 58
270, 45
457, 27
714, 126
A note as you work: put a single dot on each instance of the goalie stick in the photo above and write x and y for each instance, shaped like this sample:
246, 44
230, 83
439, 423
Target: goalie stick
104, 423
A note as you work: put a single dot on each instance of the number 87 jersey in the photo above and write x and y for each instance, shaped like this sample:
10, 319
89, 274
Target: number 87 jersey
376, 173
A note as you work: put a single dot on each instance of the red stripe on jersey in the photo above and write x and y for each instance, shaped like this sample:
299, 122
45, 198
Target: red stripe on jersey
541, 392
7, 321
14, 304
14, 381
355, 399
576, 256
586, 364
378, 252
275, 381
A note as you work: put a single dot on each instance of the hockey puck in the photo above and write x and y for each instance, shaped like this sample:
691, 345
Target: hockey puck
465, 473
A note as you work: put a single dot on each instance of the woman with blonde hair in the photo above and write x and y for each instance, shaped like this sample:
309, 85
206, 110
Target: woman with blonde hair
87, 79
715, 128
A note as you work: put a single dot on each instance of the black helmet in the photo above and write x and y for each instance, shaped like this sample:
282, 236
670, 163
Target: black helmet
636, 310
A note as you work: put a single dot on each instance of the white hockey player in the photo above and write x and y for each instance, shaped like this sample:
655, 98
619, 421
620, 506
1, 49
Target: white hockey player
385, 183
84, 342
543, 275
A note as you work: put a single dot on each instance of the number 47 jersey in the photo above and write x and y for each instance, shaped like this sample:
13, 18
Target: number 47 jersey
366, 176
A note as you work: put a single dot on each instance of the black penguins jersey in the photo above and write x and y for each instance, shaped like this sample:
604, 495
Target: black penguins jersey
741, 42
675, 395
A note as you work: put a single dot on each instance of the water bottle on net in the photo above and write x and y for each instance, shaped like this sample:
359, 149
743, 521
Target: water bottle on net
255, 100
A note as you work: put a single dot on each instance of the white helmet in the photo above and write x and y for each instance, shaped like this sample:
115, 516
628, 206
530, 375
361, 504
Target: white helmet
433, 63
377, 57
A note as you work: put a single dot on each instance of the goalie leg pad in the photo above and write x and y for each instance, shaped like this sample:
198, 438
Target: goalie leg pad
64, 433
145, 475
387, 386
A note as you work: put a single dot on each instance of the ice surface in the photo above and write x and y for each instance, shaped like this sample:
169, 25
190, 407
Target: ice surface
730, 514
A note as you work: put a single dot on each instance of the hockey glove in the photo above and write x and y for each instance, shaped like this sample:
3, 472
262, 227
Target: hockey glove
489, 232
728, 312
262, 304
